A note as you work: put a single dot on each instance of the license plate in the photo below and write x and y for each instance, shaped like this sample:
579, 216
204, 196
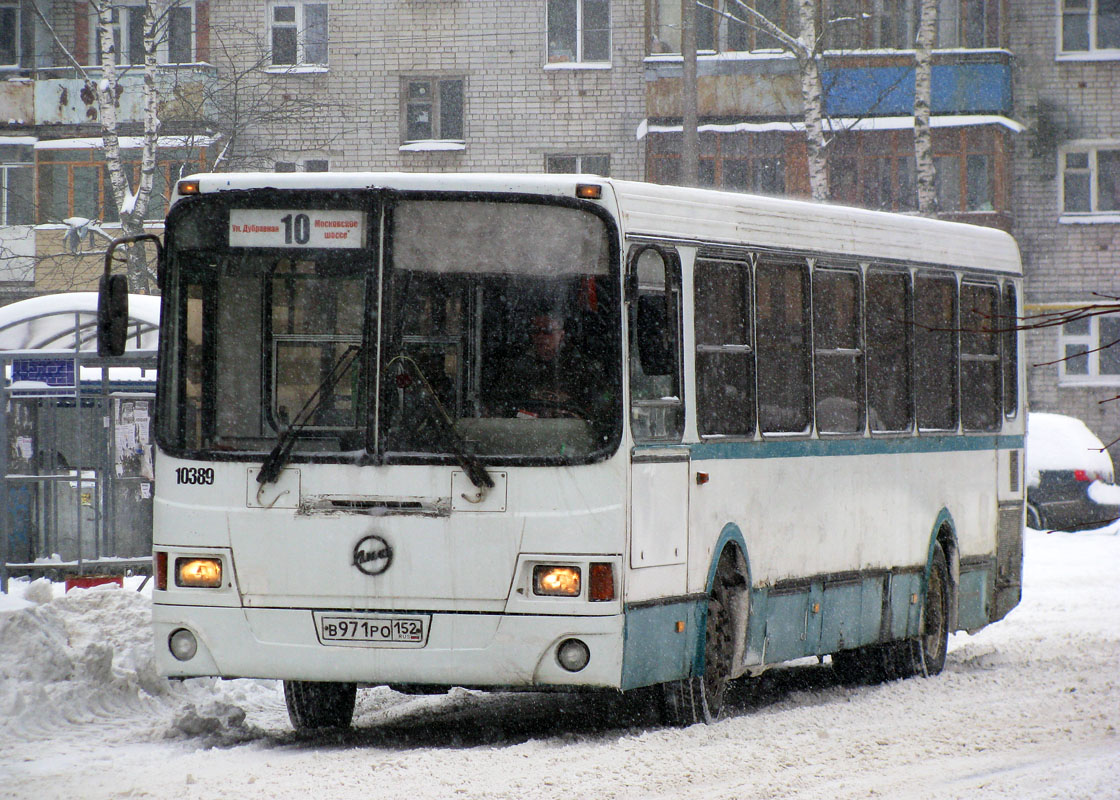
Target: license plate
377, 631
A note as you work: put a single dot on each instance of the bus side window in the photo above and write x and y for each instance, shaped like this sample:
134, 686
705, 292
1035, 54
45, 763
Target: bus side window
656, 404
724, 358
838, 351
980, 371
888, 351
935, 335
782, 342
1009, 324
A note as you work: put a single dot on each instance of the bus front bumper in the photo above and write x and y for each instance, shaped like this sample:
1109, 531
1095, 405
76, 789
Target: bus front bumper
461, 649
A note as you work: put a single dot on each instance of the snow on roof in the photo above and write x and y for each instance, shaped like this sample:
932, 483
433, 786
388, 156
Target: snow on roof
126, 142
48, 322
842, 124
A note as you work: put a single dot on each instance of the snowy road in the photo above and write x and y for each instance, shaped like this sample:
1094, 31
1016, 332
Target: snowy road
1028, 708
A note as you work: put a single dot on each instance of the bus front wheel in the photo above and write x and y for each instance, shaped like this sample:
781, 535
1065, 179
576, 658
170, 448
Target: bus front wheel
700, 698
317, 704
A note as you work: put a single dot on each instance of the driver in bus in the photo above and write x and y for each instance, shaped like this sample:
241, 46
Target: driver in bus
548, 380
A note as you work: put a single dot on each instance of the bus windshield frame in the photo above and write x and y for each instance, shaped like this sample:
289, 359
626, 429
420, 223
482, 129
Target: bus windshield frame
420, 319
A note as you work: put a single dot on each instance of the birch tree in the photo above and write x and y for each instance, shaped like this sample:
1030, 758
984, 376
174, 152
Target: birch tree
923, 90
805, 48
102, 85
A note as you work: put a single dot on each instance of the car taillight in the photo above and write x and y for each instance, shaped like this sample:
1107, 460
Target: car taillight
1081, 475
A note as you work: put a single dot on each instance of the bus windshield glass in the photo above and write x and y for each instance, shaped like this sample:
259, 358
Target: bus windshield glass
489, 330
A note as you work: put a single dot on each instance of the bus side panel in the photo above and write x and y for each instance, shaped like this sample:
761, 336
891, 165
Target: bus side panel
661, 642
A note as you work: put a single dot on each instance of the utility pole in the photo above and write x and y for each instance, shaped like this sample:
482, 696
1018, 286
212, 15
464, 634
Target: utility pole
690, 140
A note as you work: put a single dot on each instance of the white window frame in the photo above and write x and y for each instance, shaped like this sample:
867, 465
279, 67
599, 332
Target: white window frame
1091, 341
579, 157
1093, 52
438, 140
1094, 215
16, 32
6, 168
302, 61
124, 23
578, 61
301, 164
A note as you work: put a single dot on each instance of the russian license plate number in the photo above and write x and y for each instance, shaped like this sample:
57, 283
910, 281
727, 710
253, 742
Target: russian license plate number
400, 631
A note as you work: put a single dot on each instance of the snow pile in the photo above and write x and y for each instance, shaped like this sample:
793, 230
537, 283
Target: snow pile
1027, 708
85, 658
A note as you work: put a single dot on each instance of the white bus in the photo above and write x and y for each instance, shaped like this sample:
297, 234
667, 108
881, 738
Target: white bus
563, 432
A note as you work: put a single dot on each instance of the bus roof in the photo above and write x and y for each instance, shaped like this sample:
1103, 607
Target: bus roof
700, 215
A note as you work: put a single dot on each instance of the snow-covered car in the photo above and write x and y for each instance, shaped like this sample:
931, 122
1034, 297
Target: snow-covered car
1069, 475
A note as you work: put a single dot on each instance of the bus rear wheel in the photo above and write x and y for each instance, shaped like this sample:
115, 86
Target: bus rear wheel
318, 704
700, 698
923, 654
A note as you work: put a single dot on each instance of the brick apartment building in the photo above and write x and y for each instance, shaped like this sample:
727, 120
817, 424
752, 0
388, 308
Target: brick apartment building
550, 85
1066, 194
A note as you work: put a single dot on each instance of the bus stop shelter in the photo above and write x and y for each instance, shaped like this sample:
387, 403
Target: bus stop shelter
75, 439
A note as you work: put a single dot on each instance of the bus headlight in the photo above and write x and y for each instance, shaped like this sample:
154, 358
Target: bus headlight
203, 573
555, 581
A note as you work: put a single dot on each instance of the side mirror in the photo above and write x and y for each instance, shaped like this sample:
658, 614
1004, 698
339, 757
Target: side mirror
112, 315
112, 298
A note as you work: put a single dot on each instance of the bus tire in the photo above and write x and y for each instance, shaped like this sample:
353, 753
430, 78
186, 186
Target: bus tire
924, 654
318, 704
700, 698
932, 644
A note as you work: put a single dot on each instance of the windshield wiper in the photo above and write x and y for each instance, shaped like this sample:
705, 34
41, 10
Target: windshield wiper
470, 463
275, 461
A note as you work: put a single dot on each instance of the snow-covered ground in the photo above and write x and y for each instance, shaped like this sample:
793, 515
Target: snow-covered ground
1027, 708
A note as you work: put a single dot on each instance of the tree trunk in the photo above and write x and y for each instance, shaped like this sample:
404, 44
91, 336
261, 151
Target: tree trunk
923, 82
812, 97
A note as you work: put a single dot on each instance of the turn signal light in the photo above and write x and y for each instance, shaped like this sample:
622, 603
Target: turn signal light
589, 191
600, 586
161, 571
556, 581
203, 573
188, 187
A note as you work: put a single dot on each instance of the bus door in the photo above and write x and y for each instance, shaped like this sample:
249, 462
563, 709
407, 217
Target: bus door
659, 462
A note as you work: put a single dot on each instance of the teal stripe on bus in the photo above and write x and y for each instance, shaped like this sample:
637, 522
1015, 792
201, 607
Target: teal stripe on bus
817, 448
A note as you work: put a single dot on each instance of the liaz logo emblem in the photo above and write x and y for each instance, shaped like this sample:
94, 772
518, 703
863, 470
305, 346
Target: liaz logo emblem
373, 555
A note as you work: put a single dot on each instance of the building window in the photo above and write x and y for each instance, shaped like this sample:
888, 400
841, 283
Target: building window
175, 41
579, 31
874, 170
1089, 349
968, 23
965, 163
9, 35
1091, 180
721, 25
17, 185
1091, 26
433, 109
598, 164
298, 33
75, 183
307, 165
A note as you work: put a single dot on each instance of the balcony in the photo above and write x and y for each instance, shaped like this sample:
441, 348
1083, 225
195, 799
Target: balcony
752, 86
60, 97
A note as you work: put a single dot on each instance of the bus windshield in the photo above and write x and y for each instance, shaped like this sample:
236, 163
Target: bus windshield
434, 330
